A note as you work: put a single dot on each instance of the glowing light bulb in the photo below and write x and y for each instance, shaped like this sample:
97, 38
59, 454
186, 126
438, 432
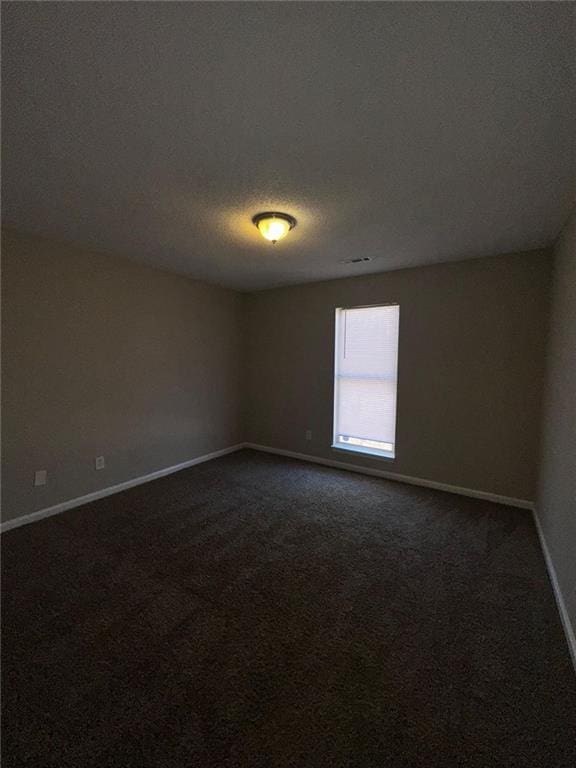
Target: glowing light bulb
274, 226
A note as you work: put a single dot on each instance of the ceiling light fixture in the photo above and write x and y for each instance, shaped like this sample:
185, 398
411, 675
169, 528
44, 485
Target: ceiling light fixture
274, 226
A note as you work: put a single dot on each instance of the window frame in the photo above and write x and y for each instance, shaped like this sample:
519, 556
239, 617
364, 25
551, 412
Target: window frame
361, 450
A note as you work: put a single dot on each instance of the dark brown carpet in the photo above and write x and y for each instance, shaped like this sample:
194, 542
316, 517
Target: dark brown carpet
256, 611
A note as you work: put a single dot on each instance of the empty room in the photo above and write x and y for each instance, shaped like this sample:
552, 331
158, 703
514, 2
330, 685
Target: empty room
288, 384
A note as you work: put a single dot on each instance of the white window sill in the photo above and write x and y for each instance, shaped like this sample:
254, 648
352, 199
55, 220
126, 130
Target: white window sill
372, 452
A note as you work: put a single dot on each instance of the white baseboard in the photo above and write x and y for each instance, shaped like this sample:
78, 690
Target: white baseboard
512, 502
569, 630
80, 500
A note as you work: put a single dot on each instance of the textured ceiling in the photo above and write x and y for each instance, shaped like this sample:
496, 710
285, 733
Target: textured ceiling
409, 133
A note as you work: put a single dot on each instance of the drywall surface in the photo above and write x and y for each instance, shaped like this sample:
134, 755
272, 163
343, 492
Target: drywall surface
106, 357
410, 132
556, 506
471, 361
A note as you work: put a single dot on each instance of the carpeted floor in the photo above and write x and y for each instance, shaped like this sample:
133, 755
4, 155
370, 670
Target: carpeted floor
256, 611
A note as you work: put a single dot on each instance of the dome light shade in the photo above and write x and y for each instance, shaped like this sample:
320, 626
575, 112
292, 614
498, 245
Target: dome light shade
274, 226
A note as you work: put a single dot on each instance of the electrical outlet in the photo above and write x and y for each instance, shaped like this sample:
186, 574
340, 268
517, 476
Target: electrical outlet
99, 462
40, 477
308, 434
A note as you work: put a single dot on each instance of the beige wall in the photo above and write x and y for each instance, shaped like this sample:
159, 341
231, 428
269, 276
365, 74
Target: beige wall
556, 504
471, 356
102, 356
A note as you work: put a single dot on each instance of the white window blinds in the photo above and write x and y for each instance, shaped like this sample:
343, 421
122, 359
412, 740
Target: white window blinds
366, 366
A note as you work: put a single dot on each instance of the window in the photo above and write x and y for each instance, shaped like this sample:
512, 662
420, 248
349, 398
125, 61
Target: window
365, 375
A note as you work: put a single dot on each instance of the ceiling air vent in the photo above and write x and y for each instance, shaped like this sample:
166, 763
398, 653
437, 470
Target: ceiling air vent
356, 261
